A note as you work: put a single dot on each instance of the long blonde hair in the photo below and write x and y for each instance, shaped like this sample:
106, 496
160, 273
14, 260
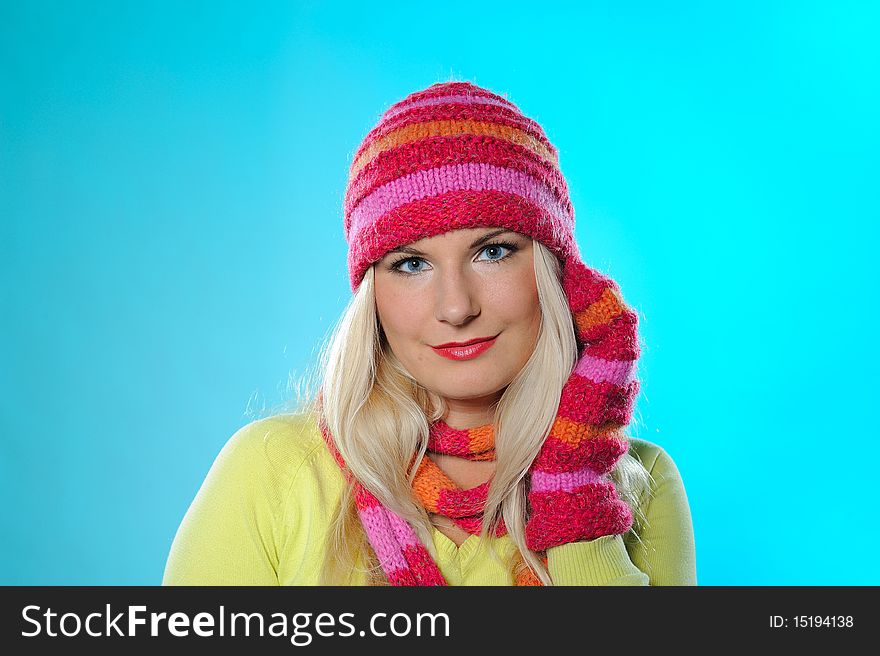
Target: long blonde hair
379, 416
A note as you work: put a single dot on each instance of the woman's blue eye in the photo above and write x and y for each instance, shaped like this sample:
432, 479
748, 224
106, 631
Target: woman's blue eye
492, 248
407, 261
495, 247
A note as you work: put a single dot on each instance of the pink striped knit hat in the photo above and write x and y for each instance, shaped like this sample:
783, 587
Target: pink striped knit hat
456, 156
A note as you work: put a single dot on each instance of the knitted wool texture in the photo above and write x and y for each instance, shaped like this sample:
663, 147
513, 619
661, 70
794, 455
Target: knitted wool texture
456, 156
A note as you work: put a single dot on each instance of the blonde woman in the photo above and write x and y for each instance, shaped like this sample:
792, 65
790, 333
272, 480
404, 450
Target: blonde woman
470, 426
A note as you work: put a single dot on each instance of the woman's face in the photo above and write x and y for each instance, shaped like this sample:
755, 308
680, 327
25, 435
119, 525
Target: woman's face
455, 287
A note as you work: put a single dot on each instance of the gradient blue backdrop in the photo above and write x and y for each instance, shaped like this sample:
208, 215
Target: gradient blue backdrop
171, 178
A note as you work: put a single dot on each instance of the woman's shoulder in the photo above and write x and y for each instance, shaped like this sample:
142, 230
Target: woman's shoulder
240, 522
285, 441
665, 545
664, 473
651, 455
267, 453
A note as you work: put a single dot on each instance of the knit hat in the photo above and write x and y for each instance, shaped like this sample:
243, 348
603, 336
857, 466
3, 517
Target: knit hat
450, 157
456, 156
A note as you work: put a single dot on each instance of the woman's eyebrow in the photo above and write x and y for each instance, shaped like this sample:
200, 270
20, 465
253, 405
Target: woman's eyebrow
478, 242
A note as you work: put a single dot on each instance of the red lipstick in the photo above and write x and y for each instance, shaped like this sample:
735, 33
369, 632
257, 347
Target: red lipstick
465, 350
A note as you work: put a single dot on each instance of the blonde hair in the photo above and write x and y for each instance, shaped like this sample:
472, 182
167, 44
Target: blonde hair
379, 416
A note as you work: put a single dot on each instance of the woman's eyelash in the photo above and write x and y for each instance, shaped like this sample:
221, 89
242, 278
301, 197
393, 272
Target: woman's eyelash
511, 247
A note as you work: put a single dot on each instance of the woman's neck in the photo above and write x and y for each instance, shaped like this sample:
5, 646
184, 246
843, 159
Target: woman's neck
470, 413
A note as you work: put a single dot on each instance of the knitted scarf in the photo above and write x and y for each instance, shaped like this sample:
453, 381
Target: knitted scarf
571, 490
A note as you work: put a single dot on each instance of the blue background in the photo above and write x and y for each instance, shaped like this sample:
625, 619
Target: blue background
171, 181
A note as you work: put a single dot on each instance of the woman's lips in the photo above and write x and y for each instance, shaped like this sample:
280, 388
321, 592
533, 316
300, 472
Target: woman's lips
468, 352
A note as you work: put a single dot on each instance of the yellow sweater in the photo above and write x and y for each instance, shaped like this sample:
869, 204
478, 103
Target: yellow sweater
263, 511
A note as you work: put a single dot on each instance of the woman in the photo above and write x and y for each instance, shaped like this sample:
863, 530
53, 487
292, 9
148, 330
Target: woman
470, 425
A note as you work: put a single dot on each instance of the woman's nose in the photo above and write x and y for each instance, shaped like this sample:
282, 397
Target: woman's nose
456, 297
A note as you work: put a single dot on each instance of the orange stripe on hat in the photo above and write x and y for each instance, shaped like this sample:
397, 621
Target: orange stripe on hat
609, 306
573, 433
417, 131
